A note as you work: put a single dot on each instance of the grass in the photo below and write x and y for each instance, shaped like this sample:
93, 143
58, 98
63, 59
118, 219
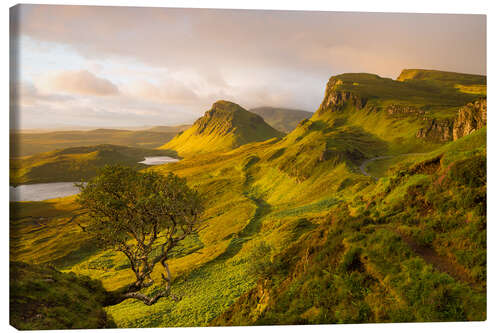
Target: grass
224, 127
42, 298
76, 163
334, 246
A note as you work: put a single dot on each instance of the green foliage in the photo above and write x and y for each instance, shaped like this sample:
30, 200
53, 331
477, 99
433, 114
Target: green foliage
260, 260
346, 248
131, 211
42, 298
124, 203
470, 171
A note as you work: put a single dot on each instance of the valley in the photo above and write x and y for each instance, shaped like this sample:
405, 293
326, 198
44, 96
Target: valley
372, 209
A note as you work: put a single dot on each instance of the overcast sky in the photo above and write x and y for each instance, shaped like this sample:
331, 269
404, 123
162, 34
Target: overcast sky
123, 67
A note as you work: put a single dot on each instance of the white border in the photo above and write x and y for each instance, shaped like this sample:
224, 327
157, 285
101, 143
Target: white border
421, 6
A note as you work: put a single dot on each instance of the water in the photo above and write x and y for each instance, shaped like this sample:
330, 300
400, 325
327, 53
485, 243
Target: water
44, 191
157, 160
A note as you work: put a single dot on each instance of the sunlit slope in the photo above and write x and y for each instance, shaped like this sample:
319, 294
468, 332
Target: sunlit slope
410, 247
282, 119
23, 144
75, 164
295, 233
445, 78
224, 127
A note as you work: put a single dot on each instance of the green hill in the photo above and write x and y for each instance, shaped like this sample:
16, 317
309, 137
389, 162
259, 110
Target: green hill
299, 230
24, 143
76, 163
224, 127
42, 298
284, 120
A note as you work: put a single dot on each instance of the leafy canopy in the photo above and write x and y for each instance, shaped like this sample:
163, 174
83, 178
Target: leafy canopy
138, 213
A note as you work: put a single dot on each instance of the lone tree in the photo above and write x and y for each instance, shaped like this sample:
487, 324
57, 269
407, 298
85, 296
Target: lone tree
144, 216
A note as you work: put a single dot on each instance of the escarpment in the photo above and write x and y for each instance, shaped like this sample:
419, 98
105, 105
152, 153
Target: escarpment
438, 130
469, 118
336, 97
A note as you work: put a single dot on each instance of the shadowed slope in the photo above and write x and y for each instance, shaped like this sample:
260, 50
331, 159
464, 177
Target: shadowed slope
42, 298
284, 120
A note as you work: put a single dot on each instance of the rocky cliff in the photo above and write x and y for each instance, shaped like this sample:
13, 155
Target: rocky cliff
469, 118
336, 97
437, 130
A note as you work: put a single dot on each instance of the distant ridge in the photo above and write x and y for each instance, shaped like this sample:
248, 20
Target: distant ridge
282, 119
224, 127
76, 163
441, 76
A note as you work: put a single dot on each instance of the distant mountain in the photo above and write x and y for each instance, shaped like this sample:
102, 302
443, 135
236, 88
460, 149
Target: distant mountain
23, 143
372, 210
225, 126
441, 76
76, 163
284, 120
169, 129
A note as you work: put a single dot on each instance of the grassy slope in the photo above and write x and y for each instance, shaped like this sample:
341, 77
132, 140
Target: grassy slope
224, 127
411, 247
42, 298
23, 144
294, 195
76, 163
284, 120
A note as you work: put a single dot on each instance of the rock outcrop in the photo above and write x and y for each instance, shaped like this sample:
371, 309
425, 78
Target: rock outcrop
437, 130
404, 110
470, 118
336, 98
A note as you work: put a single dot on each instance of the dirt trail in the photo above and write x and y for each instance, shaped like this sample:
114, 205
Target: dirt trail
441, 263
364, 164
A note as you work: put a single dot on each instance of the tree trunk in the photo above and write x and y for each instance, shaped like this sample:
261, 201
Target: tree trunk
132, 291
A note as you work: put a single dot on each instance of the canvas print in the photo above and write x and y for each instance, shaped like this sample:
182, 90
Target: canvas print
219, 167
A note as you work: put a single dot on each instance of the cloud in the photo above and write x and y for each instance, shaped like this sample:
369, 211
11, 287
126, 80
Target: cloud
215, 41
27, 94
79, 82
168, 91
168, 65
32, 107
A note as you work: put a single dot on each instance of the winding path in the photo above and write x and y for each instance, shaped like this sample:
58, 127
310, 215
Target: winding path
364, 164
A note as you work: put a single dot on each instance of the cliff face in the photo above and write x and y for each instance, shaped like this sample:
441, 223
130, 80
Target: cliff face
437, 130
469, 118
335, 98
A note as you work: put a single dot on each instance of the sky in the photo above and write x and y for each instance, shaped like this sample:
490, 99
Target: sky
97, 67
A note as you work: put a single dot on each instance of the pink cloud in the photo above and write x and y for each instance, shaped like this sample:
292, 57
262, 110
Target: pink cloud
79, 82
